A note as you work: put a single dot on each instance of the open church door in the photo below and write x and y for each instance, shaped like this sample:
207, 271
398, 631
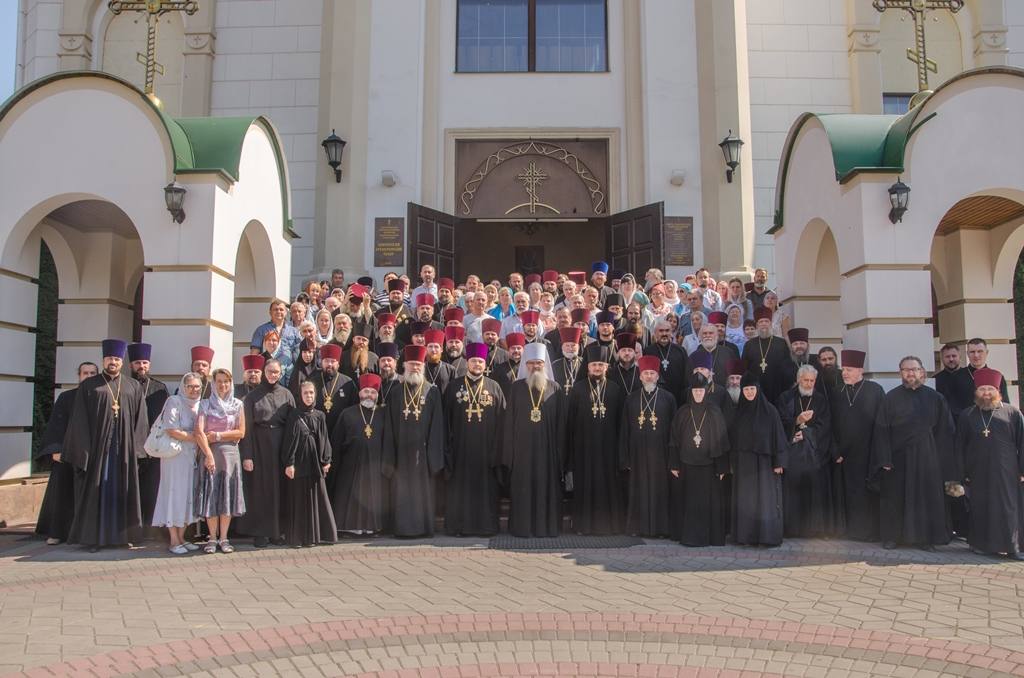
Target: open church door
431, 240
633, 239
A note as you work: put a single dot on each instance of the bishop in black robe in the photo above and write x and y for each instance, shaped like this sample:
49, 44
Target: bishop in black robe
914, 453
474, 407
855, 408
361, 494
266, 412
306, 451
990, 443
107, 430
807, 483
699, 449
57, 511
644, 455
533, 452
592, 455
413, 454
759, 447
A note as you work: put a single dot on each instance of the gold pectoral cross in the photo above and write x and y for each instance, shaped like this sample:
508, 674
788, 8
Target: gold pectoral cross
154, 9
918, 11
475, 409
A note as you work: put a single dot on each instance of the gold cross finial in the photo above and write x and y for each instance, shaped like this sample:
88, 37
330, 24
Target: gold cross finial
154, 9
531, 178
917, 10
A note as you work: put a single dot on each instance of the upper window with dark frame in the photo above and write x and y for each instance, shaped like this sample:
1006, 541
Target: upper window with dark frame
509, 36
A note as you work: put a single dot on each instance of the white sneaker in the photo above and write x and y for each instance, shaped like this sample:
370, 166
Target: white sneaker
178, 550
190, 546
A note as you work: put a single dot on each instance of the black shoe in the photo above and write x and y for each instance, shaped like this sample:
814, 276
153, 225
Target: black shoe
260, 542
927, 547
888, 545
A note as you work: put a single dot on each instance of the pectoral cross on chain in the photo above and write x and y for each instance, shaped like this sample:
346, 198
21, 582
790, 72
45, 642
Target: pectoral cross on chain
154, 9
918, 11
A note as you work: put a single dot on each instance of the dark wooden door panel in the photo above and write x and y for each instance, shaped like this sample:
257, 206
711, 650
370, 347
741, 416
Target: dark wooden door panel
431, 240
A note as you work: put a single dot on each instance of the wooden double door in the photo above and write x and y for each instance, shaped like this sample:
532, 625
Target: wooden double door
632, 242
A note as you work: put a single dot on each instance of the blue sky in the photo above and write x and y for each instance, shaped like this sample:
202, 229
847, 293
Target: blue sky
8, 49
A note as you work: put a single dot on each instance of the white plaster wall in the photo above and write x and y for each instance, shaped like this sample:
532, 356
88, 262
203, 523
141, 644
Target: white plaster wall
268, 63
1014, 17
798, 63
40, 21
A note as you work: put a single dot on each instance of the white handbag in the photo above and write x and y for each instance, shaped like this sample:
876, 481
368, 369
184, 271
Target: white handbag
159, 444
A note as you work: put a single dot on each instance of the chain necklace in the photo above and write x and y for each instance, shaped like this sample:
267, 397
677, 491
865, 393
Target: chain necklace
764, 352
597, 394
367, 425
384, 393
432, 377
116, 406
622, 379
329, 393
987, 424
535, 404
473, 399
570, 372
857, 388
664, 356
413, 400
697, 427
647, 405
803, 408
489, 365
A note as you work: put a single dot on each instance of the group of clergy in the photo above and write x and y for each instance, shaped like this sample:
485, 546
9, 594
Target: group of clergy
615, 429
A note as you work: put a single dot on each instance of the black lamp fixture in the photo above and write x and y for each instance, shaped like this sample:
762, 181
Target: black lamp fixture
334, 146
174, 198
730, 146
899, 196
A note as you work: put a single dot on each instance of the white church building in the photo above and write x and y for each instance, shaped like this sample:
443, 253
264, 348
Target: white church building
490, 135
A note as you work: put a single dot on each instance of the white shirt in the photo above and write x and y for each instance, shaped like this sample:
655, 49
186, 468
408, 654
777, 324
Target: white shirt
474, 327
423, 289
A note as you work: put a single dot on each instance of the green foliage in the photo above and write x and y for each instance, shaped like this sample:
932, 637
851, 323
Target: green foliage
46, 347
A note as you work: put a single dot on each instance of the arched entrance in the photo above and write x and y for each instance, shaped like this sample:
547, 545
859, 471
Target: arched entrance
814, 302
255, 275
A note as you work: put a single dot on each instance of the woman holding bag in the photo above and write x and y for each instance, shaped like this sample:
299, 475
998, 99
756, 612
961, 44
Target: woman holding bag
174, 506
219, 427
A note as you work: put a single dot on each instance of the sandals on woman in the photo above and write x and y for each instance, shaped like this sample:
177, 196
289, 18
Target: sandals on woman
226, 547
211, 546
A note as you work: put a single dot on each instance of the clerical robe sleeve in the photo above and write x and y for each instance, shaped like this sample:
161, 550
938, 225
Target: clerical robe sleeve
53, 436
960, 446
675, 440
436, 433
781, 456
389, 447
291, 440
1017, 427
326, 453
942, 433
562, 430
140, 425
625, 434
494, 454
78, 438
508, 429
881, 444
245, 444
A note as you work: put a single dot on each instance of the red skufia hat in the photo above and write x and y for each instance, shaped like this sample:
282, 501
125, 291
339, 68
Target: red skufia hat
625, 340
202, 353
386, 319
852, 358
799, 334
446, 284
549, 276
433, 337
369, 381
529, 317
414, 354
532, 278
515, 339
454, 332
490, 325
454, 313
986, 376
763, 313
425, 299
649, 362
580, 315
736, 367
357, 291
570, 335
717, 318
330, 352
253, 362
578, 277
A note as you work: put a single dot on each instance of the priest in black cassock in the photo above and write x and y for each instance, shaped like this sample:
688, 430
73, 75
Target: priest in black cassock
306, 458
604, 348
435, 369
107, 431
855, 408
963, 381
473, 406
914, 453
334, 391
496, 355
57, 511
413, 447
266, 411
568, 368
155, 394
768, 357
533, 447
807, 483
454, 350
360, 359
699, 450
990, 443
644, 453
508, 371
623, 372
252, 375
675, 365
592, 452
759, 447
361, 494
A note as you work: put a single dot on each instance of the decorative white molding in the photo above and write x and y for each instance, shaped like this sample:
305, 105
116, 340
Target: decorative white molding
990, 39
199, 43
75, 44
864, 38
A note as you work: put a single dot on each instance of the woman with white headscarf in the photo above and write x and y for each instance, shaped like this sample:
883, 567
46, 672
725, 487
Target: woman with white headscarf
174, 505
219, 427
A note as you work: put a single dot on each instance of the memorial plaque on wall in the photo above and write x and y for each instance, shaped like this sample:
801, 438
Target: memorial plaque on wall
678, 241
388, 239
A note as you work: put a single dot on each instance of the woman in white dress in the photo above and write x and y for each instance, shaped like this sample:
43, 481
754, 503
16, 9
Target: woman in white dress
174, 507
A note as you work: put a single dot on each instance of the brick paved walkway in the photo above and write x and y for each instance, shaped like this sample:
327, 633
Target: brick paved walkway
455, 608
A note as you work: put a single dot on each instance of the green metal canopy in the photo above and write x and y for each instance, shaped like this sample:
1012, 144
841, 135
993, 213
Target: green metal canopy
203, 145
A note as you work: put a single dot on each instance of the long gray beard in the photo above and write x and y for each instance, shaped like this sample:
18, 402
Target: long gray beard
537, 380
649, 388
413, 378
709, 345
734, 393
805, 393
